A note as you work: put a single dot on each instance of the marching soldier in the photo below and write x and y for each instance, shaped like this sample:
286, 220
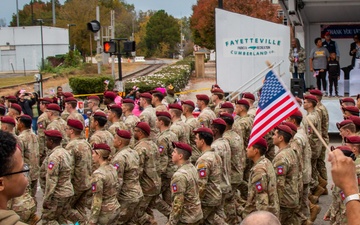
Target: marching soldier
97, 123
70, 106
209, 171
129, 118
65, 114
186, 204
42, 123
156, 101
188, 108
178, 127
148, 115
126, 163
56, 122
58, 189
114, 116
262, 195
105, 207
226, 107
206, 115
93, 104
217, 99
80, 151
251, 99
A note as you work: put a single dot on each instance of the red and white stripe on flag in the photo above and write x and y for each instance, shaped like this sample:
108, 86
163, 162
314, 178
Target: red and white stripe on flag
276, 104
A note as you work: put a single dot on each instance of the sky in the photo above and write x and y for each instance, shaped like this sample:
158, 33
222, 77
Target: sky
176, 8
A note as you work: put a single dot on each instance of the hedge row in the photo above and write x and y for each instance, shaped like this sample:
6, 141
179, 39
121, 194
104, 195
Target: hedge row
89, 85
177, 75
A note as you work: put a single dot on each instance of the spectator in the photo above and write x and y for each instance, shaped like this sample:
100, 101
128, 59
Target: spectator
26, 100
355, 50
334, 74
36, 112
318, 63
331, 45
297, 58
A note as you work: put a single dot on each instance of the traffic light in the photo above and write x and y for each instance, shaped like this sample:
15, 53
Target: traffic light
93, 26
129, 46
109, 47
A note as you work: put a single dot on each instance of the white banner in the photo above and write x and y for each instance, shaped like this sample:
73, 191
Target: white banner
244, 44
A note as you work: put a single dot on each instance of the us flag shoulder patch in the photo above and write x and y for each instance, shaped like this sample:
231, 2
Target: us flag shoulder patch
202, 172
51, 165
116, 166
161, 149
259, 187
280, 170
174, 188
93, 187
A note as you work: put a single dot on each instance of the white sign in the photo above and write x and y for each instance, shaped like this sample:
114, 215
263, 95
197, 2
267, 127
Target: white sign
244, 44
119, 86
98, 58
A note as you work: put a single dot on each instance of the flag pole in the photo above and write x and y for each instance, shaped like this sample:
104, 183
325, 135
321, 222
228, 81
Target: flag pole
318, 134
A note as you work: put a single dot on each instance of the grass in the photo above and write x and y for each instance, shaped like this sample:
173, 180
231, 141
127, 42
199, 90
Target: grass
10, 81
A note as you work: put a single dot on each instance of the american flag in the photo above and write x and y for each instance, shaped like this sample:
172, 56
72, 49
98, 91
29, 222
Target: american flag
276, 104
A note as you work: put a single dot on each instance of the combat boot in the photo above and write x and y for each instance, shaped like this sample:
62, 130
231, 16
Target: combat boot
323, 183
313, 199
34, 219
319, 191
314, 211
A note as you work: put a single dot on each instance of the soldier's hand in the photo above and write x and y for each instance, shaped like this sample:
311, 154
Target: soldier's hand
343, 172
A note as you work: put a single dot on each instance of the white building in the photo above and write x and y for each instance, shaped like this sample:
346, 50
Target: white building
20, 47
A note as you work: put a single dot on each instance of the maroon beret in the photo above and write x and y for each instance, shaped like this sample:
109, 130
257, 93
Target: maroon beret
316, 92
53, 106
166, 114
146, 95
243, 102
203, 129
261, 142
24, 116
114, 106
342, 148
216, 86
225, 114
311, 98
110, 94
128, 100
351, 100
297, 113
182, 146
219, 121
285, 129
46, 99
188, 102
355, 120
226, 105
144, 126
123, 134
291, 125
67, 94
75, 124
53, 133
93, 97
11, 97
8, 119
101, 146
70, 99
217, 91
352, 139
202, 97
343, 123
248, 95
352, 109
15, 106
175, 106
100, 114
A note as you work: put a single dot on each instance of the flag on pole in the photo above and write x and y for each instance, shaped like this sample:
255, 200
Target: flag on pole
276, 104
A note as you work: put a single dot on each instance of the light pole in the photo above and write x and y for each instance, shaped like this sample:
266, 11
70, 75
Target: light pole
42, 56
70, 25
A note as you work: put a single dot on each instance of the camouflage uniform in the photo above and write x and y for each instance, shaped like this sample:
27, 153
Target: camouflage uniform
30, 153
103, 136
148, 115
222, 148
167, 167
182, 131
80, 150
186, 206
64, 115
117, 125
209, 168
287, 175
42, 123
58, 189
91, 131
59, 125
206, 116
126, 162
252, 112
315, 145
236, 174
324, 117
75, 115
105, 207
130, 122
161, 108
193, 124
217, 108
149, 178
262, 193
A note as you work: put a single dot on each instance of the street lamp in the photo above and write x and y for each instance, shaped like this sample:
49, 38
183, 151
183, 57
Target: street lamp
42, 55
70, 25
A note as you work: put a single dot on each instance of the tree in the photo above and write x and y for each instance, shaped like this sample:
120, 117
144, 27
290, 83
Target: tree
203, 19
162, 34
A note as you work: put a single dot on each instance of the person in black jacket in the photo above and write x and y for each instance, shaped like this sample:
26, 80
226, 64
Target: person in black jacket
334, 74
355, 49
26, 100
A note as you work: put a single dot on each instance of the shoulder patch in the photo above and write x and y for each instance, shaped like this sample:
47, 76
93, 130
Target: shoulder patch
280, 170
93, 187
116, 166
174, 188
161, 149
202, 173
259, 187
51, 166
201, 165
342, 195
40, 125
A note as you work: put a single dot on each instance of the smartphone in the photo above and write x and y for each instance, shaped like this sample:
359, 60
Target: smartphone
347, 153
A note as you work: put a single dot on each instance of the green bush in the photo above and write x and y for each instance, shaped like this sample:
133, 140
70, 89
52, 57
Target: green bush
177, 75
89, 85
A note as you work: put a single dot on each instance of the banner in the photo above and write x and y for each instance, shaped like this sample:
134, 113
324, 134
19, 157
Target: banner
340, 31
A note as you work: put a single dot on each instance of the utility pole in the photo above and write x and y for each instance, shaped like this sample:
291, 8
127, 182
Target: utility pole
17, 13
112, 37
53, 12
97, 37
